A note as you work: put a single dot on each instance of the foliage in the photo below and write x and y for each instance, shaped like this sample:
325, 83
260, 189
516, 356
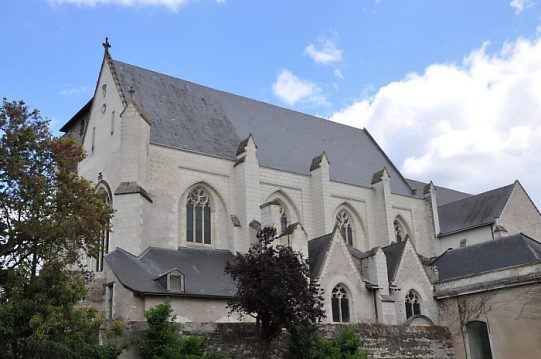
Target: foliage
307, 343
40, 320
49, 218
48, 212
162, 339
274, 287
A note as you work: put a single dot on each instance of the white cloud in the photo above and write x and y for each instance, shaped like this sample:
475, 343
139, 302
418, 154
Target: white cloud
171, 4
73, 90
291, 89
338, 74
471, 126
325, 52
520, 5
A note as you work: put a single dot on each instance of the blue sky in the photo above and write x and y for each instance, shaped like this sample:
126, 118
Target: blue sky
450, 89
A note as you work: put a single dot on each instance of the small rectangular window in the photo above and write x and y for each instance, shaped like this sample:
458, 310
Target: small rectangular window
93, 138
463, 242
109, 293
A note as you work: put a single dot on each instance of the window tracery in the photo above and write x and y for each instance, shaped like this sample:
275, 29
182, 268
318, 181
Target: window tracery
344, 224
400, 232
198, 216
413, 304
340, 304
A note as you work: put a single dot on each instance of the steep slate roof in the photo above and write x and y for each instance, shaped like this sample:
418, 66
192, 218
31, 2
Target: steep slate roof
492, 255
196, 118
474, 211
393, 254
203, 270
317, 251
443, 195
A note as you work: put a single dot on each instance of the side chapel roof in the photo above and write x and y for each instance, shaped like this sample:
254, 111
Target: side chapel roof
203, 270
497, 254
317, 251
393, 254
196, 118
443, 195
474, 211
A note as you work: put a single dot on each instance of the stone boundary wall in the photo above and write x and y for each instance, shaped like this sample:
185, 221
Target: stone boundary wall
238, 340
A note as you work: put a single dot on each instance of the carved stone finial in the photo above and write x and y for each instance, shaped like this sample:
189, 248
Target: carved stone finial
100, 176
131, 91
106, 44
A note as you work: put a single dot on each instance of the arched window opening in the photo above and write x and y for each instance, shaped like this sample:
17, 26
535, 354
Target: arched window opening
340, 304
413, 304
103, 245
283, 219
478, 340
198, 216
400, 232
344, 224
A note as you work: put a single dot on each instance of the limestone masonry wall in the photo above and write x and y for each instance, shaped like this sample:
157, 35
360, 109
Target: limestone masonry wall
238, 341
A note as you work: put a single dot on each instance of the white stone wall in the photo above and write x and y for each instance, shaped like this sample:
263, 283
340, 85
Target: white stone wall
521, 215
411, 275
199, 310
339, 268
472, 236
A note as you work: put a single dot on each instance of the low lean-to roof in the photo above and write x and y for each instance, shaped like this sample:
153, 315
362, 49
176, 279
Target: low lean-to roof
393, 254
443, 195
474, 211
196, 118
497, 254
203, 270
317, 252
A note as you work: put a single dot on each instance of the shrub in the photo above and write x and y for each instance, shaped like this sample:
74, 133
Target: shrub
162, 339
310, 344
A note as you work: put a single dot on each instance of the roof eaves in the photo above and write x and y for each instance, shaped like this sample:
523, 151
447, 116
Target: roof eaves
387, 158
81, 112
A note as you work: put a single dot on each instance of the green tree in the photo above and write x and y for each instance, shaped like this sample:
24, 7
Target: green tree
162, 339
274, 287
50, 219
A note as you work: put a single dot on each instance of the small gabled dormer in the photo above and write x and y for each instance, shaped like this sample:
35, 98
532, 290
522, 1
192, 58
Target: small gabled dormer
172, 281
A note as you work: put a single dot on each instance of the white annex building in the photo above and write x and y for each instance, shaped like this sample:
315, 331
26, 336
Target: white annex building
192, 174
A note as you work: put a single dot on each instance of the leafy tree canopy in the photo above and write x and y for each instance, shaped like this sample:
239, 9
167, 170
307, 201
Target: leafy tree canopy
274, 287
50, 218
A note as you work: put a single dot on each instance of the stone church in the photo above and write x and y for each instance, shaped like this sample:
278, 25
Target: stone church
193, 173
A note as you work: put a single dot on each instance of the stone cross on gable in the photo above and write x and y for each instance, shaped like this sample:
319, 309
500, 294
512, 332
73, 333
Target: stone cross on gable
106, 44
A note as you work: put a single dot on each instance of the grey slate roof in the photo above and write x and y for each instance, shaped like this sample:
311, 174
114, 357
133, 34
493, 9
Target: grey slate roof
492, 255
317, 251
393, 254
196, 118
443, 195
474, 211
203, 270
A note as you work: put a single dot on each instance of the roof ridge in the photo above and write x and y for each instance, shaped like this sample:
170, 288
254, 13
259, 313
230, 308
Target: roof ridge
243, 97
478, 195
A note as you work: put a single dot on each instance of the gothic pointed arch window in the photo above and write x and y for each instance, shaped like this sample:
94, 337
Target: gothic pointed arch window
413, 304
198, 216
344, 223
400, 232
103, 245
340, 304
